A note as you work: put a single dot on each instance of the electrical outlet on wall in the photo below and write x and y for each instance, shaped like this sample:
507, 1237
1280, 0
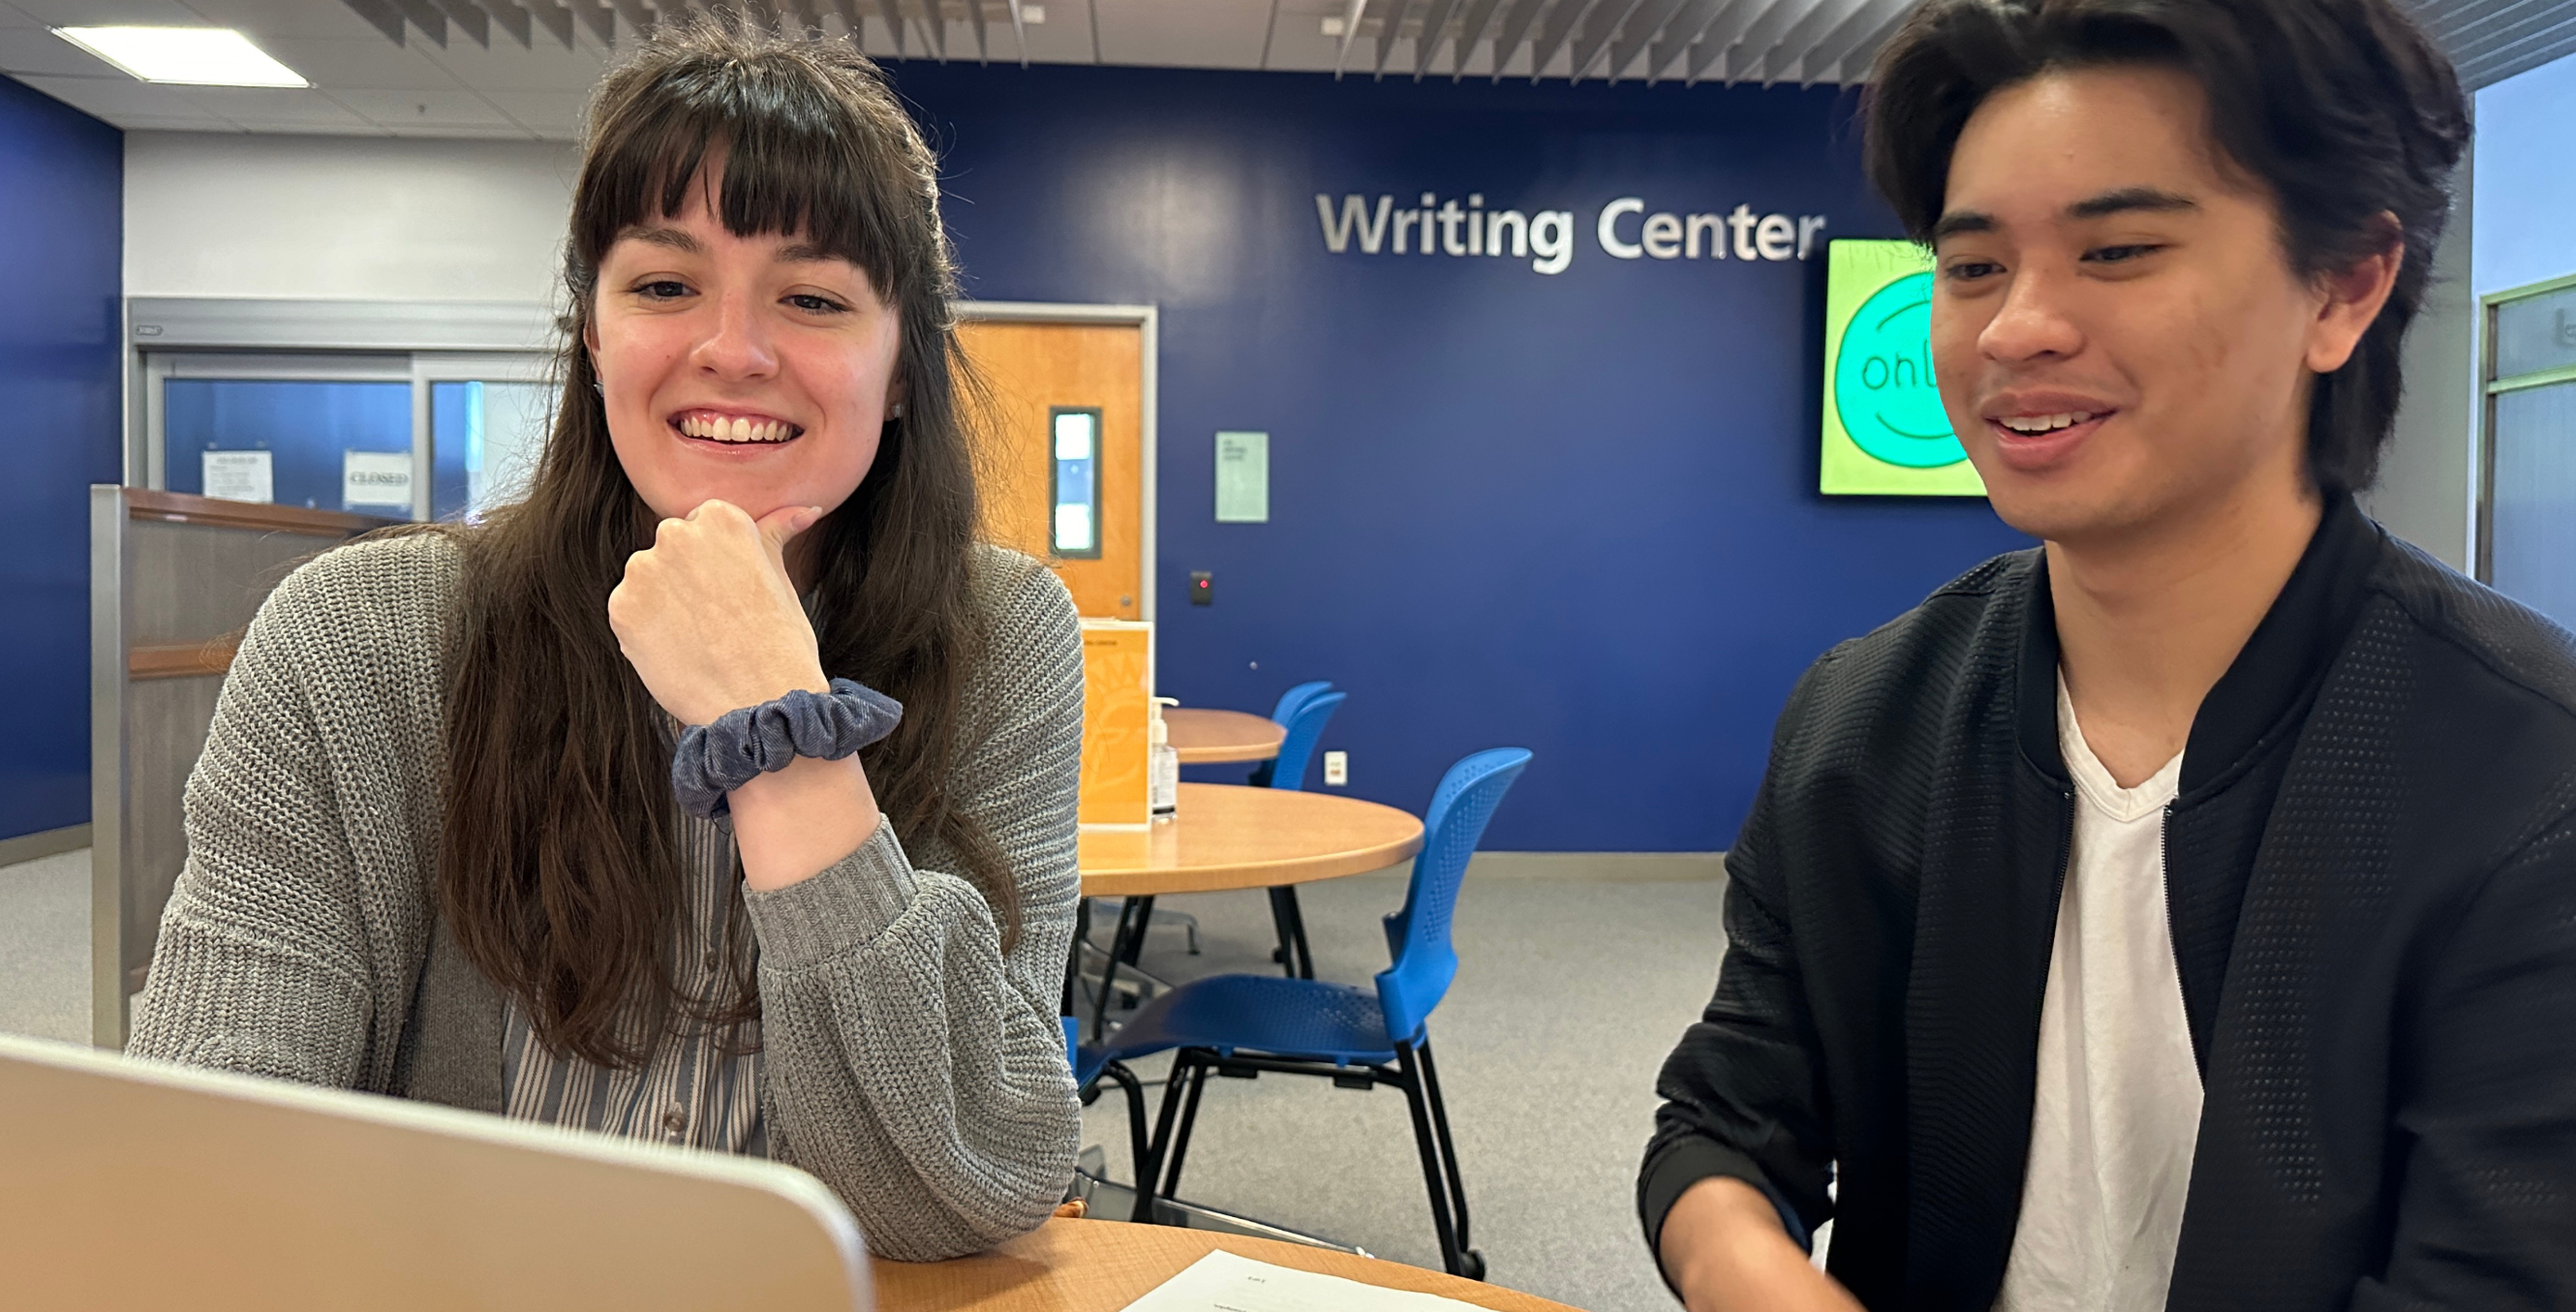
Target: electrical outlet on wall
1337, 769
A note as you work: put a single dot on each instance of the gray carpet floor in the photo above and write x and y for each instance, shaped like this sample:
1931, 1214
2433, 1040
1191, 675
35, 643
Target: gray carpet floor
1569, 993
44, 947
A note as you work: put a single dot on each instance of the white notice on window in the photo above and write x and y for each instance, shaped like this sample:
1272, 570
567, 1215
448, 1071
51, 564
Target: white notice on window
377, 479
1224, 1282
1243, 478
239, 476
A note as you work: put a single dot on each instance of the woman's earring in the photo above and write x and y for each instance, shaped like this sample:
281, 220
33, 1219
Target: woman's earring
895, 411
594, 386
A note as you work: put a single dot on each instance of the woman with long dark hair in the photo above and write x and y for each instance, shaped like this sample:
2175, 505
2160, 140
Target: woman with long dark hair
566, 815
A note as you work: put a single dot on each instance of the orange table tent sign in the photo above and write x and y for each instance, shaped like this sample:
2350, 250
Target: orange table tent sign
1117, 714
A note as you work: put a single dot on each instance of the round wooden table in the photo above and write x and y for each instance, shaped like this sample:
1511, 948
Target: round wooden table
1229, 836
1209, 737
1101, 1266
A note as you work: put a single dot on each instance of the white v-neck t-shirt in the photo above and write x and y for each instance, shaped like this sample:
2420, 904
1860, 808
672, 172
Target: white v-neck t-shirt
2118, 1106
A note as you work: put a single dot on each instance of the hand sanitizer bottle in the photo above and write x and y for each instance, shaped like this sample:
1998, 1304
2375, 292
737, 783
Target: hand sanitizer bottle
1162, 766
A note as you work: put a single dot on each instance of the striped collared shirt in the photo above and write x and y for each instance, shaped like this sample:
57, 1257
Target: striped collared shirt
690, 1090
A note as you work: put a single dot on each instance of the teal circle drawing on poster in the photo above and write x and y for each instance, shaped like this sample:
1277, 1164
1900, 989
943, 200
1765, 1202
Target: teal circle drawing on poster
1883, 387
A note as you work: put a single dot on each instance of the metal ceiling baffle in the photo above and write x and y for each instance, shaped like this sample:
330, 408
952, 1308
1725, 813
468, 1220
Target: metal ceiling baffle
1768, 41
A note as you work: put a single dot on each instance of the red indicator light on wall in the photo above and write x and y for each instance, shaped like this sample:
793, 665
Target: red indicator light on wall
1202, 587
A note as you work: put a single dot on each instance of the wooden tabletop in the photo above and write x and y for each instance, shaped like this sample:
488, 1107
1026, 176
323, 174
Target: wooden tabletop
1102, 1266
1209, 737
1231, 836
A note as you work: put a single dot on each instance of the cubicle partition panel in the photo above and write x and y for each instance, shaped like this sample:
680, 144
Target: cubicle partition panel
174, 580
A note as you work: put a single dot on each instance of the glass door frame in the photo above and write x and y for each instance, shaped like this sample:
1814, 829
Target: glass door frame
418, 342
159, 367
432, 367
2489, 388
419, 371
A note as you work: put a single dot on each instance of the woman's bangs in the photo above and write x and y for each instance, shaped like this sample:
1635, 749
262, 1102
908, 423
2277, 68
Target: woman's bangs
789, 170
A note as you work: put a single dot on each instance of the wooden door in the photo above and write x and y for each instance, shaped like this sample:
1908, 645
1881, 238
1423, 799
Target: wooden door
1030, 371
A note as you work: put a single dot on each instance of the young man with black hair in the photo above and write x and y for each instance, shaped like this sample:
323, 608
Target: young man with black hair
2182, 914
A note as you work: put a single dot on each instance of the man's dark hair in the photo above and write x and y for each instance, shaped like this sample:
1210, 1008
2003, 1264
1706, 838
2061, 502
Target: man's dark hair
2342, 109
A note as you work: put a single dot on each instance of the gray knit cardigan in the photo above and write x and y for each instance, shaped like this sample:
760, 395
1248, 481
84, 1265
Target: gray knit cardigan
909, 1062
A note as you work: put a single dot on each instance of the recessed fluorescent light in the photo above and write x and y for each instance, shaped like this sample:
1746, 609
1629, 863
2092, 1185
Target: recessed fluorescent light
197, 56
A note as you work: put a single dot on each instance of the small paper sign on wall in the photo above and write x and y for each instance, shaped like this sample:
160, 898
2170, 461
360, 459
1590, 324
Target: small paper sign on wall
1243, 478
239, 476
378, 479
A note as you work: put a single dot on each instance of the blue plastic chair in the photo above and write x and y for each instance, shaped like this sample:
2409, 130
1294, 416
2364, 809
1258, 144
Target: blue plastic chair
1247, 1024
1285, 714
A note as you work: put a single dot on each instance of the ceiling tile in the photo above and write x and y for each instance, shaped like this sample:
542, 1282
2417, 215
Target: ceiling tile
371, 61
553, 115
327, 20
1299, 44
410, 112
102, 13
1063, 41
119, 99
279, 108
209, 123
1065, 38
11, 16
452, 132
544, 66
354, 128
35, 50
1179, 35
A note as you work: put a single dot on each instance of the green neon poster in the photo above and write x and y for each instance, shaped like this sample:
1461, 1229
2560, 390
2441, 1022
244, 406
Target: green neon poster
1885, 433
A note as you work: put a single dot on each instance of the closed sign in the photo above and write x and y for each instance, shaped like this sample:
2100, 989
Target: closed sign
375, 478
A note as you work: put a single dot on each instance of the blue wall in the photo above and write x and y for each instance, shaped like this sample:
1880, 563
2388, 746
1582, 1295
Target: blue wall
1574, 512
2524, 210
62, 221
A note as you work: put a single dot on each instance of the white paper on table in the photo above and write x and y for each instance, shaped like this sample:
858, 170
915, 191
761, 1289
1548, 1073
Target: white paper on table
1225, 1282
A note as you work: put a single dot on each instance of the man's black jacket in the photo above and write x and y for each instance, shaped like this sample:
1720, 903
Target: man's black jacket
2371, 878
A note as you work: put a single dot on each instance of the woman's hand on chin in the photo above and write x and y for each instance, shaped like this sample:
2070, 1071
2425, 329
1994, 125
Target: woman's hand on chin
708, 616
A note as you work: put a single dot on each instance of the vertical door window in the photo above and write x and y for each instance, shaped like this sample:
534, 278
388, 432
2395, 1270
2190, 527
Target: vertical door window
486, 435
2531, 448
1074, 489
328, 445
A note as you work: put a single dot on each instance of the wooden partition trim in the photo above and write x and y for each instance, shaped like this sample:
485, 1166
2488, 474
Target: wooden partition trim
182, 660
182, 508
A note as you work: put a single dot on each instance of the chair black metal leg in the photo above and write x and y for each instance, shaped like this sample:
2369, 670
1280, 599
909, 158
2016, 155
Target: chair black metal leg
1297, 925
1448, 1155
1149, 1175
1130, 924
1189, 1121
1144, 917
1137, 1150
1295, 959
1073, 953
1286, 953
1434, 1176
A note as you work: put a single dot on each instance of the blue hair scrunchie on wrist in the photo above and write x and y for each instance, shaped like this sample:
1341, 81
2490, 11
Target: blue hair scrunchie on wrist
714, 759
